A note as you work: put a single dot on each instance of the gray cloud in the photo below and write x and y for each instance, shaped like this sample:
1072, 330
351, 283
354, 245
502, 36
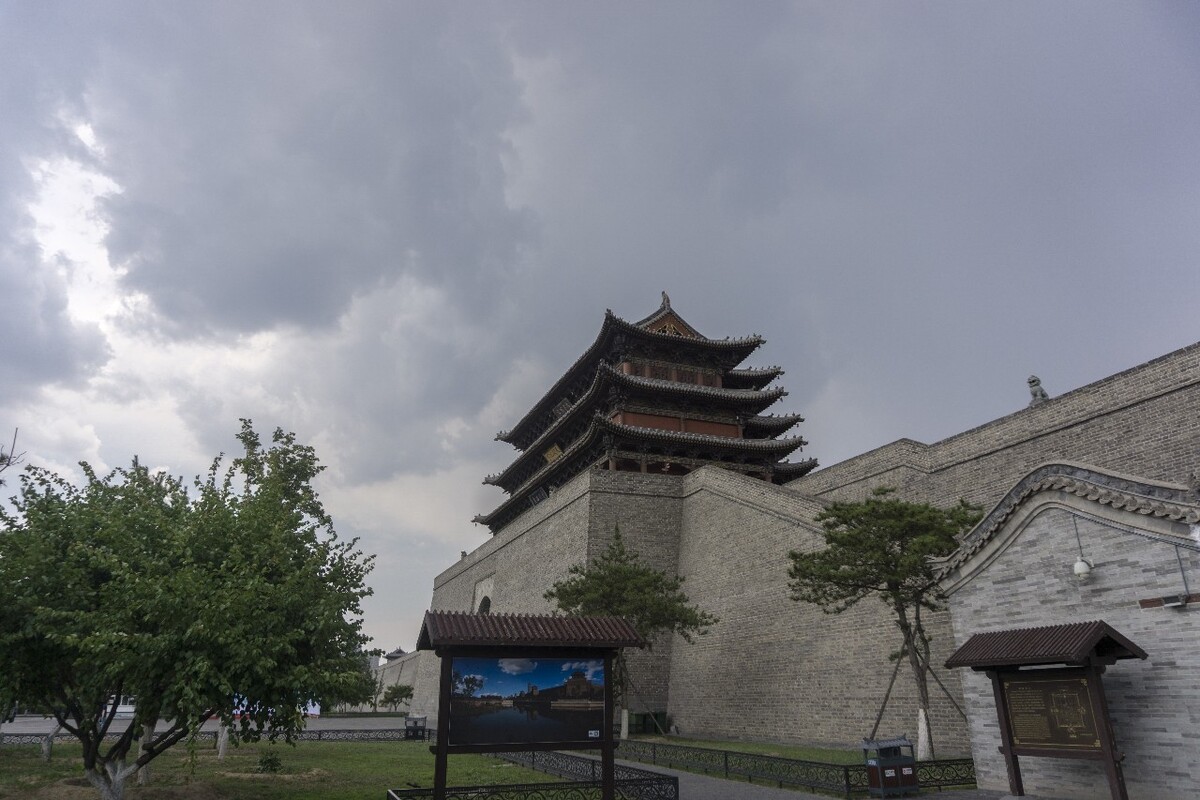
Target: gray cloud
278, 159
39, 342
422, 211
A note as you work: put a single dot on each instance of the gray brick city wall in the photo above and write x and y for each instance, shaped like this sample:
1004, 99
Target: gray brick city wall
647, 510
1155, 704
1144, 421
572, 526
774, 669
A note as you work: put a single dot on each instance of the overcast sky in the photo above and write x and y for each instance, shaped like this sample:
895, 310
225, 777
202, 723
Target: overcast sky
390, 226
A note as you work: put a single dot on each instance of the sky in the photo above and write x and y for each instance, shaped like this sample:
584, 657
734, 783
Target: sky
390, 226
510, 676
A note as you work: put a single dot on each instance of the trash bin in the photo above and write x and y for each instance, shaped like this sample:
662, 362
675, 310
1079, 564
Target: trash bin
414, 728
890, 771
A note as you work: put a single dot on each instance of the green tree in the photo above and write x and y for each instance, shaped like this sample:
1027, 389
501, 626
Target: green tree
618, 584
464, 685
10, 458
396, 694
237, 599
882, 547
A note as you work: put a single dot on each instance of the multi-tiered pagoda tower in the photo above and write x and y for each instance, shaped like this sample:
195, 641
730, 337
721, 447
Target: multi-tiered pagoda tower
650, 396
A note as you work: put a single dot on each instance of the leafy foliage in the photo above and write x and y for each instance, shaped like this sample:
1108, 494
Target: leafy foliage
10, 458
269, 762
618, 584
239, 600
882, 547
396, 694
464, 685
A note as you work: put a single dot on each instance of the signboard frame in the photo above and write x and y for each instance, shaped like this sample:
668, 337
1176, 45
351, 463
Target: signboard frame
457, 635
1025, 665
445, 708
1103, 750
1030, 697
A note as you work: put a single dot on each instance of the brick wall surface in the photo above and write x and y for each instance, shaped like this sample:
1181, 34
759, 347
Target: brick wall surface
775, 669
575, 525
1155, 704
419, 670
1144, 421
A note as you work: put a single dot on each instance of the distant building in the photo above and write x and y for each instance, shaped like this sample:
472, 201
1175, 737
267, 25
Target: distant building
656, 397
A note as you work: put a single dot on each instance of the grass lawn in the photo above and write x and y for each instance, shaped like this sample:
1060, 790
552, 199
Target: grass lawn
309, 771
764, 749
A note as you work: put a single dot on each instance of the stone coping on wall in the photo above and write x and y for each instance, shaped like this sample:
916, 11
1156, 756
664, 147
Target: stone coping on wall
1166, 511
1169, 373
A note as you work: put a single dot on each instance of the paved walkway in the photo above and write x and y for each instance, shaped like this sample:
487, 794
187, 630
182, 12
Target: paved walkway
707, 787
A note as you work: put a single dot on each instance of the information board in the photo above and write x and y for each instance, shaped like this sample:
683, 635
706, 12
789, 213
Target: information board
1051, 712
496, 701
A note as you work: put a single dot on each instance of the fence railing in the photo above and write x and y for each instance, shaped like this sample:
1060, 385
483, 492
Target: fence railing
569, 790
582, 772
648, 785
341, 735
846, 779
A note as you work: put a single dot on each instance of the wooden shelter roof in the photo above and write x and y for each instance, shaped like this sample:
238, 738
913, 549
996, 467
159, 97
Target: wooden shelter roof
458, 629
1076, 643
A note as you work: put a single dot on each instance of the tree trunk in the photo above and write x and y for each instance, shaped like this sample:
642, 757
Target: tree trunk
109, 779
222, 741
48, 742
913, 638
143, 776
924, 740
624, 723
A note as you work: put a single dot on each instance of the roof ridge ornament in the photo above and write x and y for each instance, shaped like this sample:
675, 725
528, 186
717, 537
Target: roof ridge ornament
666, 299
1038, 394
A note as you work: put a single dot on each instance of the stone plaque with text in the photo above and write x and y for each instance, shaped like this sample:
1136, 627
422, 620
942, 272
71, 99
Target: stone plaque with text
1051, 712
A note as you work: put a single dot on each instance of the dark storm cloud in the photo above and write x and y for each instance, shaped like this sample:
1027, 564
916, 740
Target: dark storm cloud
39, 343
931, 198
421, 210
277, 159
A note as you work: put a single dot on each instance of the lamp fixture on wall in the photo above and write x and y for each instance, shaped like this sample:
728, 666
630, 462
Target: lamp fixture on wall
1083, 569
1083, 566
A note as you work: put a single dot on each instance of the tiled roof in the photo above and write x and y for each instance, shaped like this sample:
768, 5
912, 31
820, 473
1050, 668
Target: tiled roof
757, 398
450, 628
774, 448
607, 375
665, 311
736, 348
791, 471
728, 443
751, 378
1074, 643
1118, 491
771, 424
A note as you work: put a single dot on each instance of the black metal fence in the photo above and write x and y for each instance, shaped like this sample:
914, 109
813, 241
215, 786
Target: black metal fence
345, 735
846, 779
583, 773
637, 783
571, 790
